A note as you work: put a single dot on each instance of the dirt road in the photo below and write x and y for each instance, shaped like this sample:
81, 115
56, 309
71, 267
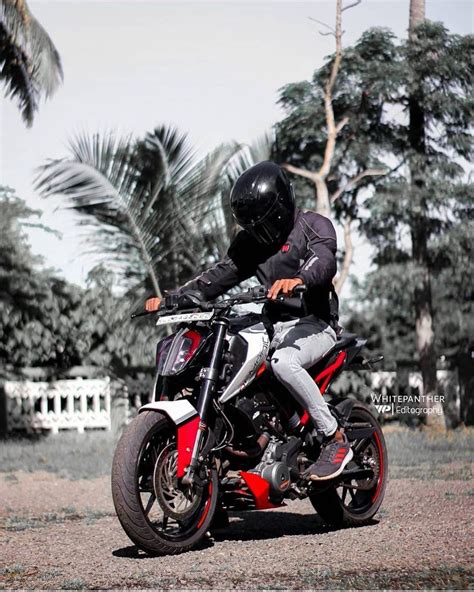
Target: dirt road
57, 533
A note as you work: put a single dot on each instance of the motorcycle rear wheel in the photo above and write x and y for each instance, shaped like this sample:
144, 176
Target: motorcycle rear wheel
351, 502
158, 514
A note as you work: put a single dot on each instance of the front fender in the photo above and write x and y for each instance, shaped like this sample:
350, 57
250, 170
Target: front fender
178, 412
186, 419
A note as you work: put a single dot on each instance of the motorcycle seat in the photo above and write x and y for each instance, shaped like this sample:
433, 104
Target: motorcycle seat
343, 339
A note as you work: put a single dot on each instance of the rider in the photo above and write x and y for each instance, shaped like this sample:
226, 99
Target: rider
285, 247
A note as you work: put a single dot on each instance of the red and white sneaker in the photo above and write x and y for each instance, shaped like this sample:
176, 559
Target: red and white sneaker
335, 455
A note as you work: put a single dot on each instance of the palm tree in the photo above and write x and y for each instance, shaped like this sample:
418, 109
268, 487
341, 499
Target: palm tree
150, 207
30, 65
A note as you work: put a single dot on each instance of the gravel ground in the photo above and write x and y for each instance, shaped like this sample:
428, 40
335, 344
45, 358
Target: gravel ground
58, 533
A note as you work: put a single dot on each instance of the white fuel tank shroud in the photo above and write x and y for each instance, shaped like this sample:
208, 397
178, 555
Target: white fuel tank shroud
258, 345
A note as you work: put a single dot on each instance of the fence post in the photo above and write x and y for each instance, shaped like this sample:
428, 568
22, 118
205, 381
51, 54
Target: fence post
119, 408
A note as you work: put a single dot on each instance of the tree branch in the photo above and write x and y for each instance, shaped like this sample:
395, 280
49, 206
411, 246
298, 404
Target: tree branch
323, 205
330, 123
331, 29
301, 172
351, 5
341, 124
353, 182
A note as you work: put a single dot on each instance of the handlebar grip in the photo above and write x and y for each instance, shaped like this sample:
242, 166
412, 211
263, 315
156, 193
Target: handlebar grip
300, 289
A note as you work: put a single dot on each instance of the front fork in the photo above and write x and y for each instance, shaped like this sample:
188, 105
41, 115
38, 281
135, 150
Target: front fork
210, 377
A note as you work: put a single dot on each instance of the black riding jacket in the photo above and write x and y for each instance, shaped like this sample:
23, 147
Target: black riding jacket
309, 253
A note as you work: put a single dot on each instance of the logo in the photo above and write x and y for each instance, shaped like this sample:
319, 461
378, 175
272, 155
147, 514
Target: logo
383, 408
285, 248
407, 404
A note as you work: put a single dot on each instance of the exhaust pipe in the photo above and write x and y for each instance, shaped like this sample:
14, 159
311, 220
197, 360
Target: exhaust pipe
260, 446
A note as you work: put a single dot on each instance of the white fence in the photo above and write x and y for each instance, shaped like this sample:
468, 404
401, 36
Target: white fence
76, 404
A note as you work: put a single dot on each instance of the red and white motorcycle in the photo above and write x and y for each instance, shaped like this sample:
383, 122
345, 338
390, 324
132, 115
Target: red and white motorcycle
216, 434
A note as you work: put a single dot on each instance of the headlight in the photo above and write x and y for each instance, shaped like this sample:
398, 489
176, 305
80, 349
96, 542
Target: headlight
162, 351
185, 345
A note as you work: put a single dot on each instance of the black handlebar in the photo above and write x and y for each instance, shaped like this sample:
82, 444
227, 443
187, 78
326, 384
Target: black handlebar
142, 314
254, 295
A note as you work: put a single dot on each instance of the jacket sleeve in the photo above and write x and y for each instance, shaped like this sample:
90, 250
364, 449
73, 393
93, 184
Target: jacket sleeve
319, 266
224, 275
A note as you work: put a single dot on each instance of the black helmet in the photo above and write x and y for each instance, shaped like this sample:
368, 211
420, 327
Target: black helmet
263, 203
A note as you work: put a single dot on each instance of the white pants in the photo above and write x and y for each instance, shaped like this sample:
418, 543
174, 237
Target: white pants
299, 344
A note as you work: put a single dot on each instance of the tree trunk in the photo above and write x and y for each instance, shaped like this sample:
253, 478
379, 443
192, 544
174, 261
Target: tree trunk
420, 234
417, 14
348, 255
323, 206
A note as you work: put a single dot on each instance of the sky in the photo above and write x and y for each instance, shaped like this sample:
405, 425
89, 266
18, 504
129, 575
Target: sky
212, 69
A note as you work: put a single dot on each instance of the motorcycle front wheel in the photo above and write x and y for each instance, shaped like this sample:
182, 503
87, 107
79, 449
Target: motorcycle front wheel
158, 513
354, 502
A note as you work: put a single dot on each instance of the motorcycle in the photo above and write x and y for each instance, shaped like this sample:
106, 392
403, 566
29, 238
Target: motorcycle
216, 436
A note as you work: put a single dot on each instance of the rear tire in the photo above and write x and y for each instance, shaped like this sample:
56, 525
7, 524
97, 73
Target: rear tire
332, 503
133, 478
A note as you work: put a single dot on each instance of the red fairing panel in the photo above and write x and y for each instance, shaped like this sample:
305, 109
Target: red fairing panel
260, 490
326, 375
304, 418
323, 379
186, 433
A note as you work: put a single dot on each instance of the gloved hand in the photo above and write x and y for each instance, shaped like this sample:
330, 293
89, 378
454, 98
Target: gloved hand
152, 304
286, 286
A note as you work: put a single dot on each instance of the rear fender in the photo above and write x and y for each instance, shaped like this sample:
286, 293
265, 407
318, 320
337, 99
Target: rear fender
343, 407
186, 419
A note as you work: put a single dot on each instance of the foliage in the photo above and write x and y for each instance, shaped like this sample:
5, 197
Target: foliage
151, 206
155, 212
363, 84
378, 78
45, 321
30, 65
437, 72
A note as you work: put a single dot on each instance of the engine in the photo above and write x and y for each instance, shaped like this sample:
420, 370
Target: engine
254, 420
276, 472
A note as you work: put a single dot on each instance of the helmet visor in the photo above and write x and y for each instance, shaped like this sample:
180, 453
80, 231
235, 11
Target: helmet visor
275, 226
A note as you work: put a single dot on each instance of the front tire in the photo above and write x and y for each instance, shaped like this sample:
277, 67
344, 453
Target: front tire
351, 502
158, 514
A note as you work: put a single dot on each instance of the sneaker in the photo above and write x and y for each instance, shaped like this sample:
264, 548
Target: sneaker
334, 457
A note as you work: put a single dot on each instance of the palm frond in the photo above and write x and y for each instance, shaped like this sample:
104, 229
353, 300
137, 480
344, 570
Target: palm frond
15, 75
163, 159
241, 160
97, 182
150, 207
47, 68
30, 65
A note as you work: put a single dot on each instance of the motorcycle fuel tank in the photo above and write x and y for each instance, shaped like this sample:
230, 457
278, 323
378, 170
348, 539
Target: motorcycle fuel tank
254, 345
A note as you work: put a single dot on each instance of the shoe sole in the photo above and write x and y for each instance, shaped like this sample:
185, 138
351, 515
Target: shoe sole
349, 457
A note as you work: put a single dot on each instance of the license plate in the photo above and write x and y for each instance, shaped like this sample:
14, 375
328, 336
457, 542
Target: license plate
185, 317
